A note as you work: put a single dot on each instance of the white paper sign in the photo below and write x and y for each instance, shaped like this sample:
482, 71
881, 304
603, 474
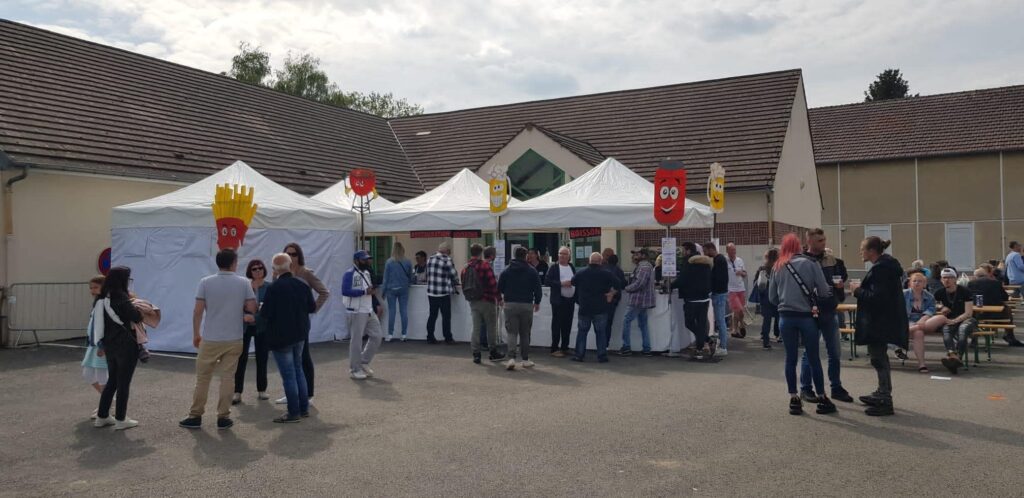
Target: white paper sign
580, 252
499, 259
668, 257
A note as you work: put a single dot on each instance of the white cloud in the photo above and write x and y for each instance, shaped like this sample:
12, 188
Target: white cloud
452, 54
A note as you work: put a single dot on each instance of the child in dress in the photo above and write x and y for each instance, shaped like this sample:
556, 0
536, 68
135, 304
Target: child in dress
94, 366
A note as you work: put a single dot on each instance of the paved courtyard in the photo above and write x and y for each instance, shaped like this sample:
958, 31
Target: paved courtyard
434, 424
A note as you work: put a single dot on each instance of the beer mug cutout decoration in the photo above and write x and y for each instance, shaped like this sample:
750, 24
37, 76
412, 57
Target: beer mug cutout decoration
233, 210
669, 192
716, 188
498, 190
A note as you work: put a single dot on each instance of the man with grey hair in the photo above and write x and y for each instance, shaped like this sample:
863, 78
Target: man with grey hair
284, 322
442, 282
595, 289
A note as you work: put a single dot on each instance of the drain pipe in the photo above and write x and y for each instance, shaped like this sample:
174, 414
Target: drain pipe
8, 233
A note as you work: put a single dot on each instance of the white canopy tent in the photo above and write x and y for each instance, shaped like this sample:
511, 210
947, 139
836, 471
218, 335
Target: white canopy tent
608, 196
169, 243
461, 203
335, 196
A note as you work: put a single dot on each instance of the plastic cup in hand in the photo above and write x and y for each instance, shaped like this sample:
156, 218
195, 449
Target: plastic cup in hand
836, 279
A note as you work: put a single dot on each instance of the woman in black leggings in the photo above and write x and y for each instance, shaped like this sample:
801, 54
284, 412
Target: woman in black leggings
114, 308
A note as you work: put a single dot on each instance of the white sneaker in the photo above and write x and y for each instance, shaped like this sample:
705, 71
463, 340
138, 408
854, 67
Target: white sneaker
359, 375
368, 371
673, 354
389, 337
510, 364
528, 364
404, 338
722, 352
263, 396
236, 398
125, 424
310, 401
103, 422
94, 412
283, 400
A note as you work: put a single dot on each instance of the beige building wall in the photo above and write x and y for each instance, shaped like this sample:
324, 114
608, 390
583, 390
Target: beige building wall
739, 206
918, 198
797, 198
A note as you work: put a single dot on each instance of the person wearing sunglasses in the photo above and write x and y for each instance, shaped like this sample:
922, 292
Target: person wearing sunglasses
256, 272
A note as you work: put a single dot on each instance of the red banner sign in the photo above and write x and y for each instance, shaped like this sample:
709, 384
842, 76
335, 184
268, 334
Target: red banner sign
441, 234
582, 233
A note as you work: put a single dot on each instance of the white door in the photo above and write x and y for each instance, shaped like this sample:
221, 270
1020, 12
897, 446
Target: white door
960, 246
883, 232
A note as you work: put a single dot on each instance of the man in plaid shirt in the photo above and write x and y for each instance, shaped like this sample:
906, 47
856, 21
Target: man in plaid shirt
484, 310
442, 282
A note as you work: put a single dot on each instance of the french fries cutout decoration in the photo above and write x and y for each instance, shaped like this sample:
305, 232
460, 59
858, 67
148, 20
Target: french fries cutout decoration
233, 210
716, 188
498, 190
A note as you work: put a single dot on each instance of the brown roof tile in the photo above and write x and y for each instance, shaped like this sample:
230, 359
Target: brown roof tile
740, 122
74, 104
936, 125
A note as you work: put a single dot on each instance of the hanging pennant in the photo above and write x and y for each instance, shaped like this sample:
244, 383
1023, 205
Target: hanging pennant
233, 210
716, 188
669, 192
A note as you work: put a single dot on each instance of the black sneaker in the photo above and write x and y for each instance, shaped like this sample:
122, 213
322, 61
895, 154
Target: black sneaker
766, 347
647, 353
901, 354
191, 423
743, 332
225, 423
304, 415
577, 359
871, 400
286, 419
431, 340
882, 410
809, 396
952, 364
603, 359
449, 341
496, 356
796, 407
476, 358
825, 406
842, 395
625, 352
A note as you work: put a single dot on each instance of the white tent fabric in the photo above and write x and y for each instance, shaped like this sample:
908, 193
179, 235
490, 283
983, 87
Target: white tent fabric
461, 203
279, 207
335, 196
608, 196
170, 241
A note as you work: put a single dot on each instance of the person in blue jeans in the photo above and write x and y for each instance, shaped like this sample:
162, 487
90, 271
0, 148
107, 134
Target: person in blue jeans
595, 290
284, 321
398, 277
769, 312
794, 287
835, 274
719, 294
640, 292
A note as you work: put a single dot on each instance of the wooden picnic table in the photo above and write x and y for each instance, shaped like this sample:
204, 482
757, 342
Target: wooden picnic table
846, 307
988, 309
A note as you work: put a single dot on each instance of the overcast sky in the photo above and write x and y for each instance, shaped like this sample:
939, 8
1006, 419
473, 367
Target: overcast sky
454, 54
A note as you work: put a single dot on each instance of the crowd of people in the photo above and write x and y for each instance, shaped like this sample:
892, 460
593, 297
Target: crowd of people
798, 289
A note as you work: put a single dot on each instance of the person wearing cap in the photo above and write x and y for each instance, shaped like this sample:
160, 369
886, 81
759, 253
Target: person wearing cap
357, 295
956, 302
640, 290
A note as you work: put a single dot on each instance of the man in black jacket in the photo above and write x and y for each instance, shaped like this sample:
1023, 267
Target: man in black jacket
828, 322
519, 286
285, 323
595, 288
694, 284
563, 302
719, 293
992, 293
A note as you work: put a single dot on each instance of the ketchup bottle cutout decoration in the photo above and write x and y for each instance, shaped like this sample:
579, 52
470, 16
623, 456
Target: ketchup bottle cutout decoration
669, 192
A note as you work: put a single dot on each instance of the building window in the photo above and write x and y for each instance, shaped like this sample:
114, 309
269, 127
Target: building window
960, 246
883, 232
532, 175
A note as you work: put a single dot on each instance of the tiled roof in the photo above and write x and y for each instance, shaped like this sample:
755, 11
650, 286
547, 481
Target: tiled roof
740, 122
936, 125
582, 149
72, 104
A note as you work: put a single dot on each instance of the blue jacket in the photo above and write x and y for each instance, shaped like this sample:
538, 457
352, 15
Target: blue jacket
927, 304
397, 276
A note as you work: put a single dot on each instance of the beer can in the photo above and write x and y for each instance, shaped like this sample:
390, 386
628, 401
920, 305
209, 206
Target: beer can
979, 300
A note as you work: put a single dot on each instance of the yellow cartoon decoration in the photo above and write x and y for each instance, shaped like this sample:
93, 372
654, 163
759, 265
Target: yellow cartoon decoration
233, 210
498, 190
716, 188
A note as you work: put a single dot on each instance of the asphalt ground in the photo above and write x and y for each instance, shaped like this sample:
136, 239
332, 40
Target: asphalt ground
434, 424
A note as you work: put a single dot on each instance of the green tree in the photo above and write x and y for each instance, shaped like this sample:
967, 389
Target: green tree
888, 85
303, 77
384, 105
251, 65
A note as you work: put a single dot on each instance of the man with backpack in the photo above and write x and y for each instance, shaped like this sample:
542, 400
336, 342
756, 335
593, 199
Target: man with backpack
480, 288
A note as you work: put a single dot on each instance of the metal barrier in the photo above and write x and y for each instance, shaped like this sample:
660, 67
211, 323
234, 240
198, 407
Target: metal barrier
47, 307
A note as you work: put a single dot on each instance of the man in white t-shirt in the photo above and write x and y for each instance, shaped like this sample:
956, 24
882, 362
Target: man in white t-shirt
737, 290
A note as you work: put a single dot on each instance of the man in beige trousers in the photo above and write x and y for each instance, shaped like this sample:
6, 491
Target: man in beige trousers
225, 302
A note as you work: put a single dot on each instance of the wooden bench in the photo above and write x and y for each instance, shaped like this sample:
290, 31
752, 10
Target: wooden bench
853, 344
988, 330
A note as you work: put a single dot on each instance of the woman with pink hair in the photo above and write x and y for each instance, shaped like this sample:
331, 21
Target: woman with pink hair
795, 287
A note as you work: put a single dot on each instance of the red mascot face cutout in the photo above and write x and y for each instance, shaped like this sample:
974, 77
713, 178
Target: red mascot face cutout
362, 181
669, 192
230, 233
